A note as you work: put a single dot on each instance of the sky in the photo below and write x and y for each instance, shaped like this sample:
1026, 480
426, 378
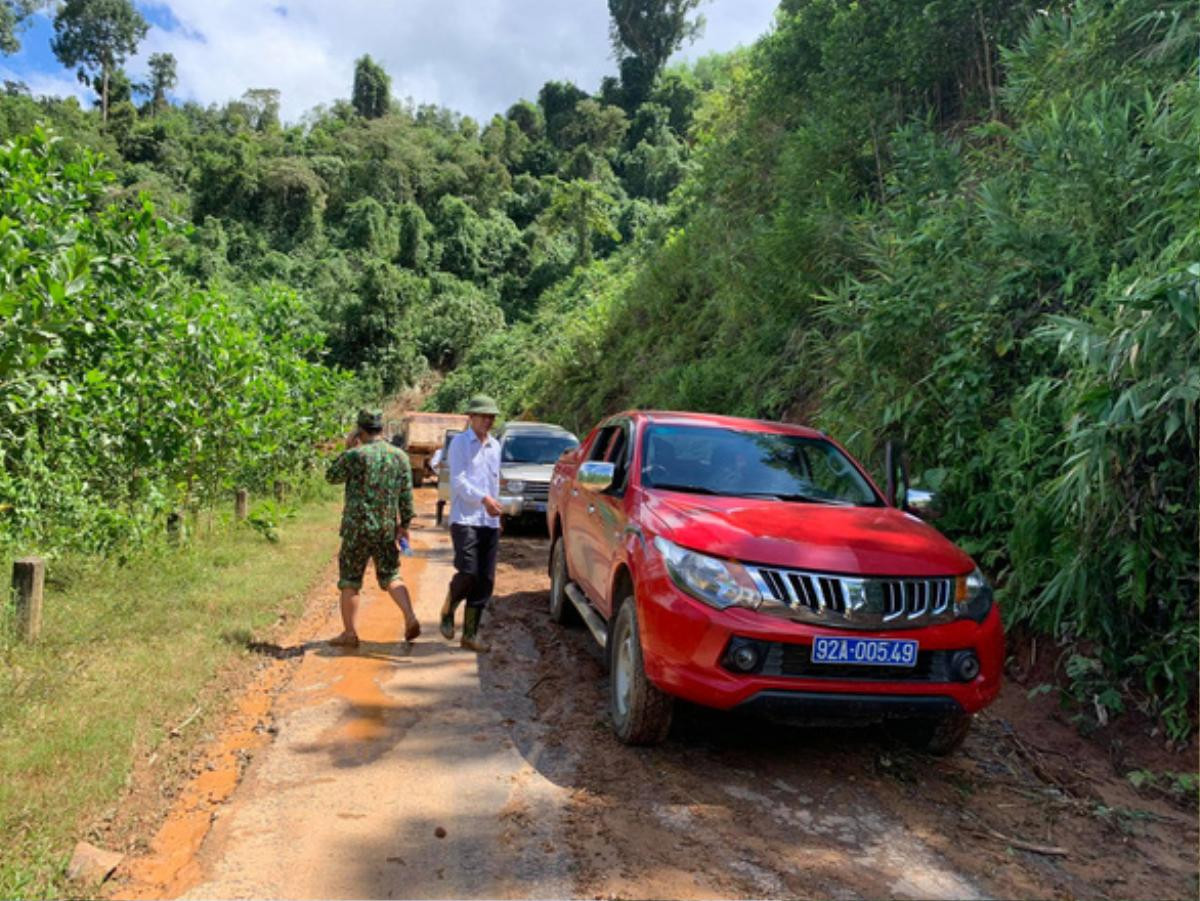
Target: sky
473, 56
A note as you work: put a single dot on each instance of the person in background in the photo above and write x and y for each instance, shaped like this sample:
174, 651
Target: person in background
435, 465
375, 518
432, 464
474, 457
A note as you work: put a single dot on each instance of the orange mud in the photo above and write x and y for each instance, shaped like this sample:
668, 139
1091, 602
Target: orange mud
171, 867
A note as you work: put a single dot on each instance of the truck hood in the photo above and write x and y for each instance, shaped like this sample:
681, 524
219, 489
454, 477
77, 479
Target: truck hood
527, 472
869, 541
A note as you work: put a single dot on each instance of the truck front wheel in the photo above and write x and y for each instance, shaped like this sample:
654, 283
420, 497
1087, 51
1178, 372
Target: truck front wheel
641, 712
939, 737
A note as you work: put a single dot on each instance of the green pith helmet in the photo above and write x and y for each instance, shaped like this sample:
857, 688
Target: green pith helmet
482, 405
370, 420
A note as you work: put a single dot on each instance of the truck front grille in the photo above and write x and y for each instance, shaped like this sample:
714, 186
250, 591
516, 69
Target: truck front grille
856, 603
536, 491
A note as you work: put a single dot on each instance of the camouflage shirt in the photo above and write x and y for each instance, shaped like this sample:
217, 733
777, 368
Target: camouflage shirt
378, 481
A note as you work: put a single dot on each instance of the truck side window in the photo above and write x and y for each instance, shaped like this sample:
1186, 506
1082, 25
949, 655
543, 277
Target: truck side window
600, 446
620, 454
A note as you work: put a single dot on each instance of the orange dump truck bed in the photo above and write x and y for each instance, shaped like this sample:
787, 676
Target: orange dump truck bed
422, 434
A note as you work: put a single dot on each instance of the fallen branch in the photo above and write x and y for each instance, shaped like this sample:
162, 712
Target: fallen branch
1048, 850
175, 732
1035, 763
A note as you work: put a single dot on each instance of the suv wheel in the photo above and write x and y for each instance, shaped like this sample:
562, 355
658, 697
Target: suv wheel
562, 611
938, 737
641, 712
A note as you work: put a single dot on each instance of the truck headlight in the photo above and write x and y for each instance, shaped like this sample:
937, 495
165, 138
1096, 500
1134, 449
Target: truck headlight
718, 583
972, 596
512, 486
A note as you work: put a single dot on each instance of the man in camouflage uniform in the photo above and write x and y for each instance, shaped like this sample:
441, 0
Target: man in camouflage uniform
377, 511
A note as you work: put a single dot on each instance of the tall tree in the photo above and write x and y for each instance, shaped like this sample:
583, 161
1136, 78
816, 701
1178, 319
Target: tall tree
97, 36
372, 96
262, 108
162, 79
13, 14
649, 31
585, 210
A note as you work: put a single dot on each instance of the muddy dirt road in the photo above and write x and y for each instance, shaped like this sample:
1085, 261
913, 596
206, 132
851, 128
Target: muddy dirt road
426, 772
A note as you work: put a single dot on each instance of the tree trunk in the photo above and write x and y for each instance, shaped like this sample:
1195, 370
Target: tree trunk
878, 161
104, 97
989, 81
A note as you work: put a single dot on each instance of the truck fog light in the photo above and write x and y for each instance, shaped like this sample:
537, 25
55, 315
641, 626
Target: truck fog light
745, 658
964, 665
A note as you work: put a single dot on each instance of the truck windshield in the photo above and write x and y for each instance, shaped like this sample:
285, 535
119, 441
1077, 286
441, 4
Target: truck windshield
536, 448
720, 461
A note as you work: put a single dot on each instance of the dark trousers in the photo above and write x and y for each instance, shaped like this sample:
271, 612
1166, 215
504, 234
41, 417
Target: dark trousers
475, 550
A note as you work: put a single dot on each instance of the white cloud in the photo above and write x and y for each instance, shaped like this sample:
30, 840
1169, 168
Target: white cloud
42, 84
474, 56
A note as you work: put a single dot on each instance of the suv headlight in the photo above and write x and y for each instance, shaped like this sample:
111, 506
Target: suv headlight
512, 486
972, 596
718, 583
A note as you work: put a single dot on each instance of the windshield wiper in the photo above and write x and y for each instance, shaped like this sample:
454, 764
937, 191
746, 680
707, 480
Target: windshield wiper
796, 498
691, 489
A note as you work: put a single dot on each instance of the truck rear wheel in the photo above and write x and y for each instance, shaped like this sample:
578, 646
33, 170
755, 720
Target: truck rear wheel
562, 611
641, 712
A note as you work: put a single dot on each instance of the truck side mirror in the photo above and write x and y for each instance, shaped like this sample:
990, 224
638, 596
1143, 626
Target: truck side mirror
922, 503
596, 476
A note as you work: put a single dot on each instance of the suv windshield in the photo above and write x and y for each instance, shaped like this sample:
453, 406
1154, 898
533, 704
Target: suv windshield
722, 461
536, 448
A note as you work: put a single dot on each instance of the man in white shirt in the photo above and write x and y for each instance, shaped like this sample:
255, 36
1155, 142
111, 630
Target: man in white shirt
474, 458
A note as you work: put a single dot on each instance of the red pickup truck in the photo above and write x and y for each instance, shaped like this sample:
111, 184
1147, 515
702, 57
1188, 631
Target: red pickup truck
749, 565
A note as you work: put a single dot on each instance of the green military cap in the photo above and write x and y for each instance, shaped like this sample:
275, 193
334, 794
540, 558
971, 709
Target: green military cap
370, 420
482, 405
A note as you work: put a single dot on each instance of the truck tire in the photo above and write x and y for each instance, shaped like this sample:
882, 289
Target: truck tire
562, 611
939, 737
418, 478
641, 713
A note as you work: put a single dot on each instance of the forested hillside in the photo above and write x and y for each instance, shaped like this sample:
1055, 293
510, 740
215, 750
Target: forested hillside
194, 296
970, 225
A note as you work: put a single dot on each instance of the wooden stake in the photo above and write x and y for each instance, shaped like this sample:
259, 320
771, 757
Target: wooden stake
241, 507
174, 526
28, 579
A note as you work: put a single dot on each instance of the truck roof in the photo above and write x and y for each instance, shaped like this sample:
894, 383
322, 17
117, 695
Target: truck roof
679, 417
522, 426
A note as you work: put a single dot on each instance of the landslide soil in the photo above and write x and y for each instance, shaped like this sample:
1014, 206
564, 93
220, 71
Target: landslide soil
725, 808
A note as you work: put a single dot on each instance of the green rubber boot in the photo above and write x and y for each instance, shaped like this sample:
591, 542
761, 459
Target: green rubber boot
448, 609
470, 640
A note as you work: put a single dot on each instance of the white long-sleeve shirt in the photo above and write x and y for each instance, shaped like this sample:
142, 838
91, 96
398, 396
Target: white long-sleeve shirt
474, 475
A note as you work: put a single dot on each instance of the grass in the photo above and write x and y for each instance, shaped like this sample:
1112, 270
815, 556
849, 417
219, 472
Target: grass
125, 651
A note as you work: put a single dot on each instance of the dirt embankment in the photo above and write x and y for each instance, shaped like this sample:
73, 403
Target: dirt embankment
428, 772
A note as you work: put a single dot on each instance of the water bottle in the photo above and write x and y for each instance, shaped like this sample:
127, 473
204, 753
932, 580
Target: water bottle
405, 548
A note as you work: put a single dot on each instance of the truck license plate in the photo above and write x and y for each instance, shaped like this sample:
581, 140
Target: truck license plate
865, 651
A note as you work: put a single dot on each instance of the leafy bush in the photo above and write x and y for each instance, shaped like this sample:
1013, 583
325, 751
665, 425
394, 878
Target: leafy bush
127, 391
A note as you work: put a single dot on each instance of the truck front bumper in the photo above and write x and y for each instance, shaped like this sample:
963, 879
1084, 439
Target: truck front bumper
684, 645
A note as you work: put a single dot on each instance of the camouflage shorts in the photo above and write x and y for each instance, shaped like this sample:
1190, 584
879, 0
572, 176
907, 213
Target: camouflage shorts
353, 557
